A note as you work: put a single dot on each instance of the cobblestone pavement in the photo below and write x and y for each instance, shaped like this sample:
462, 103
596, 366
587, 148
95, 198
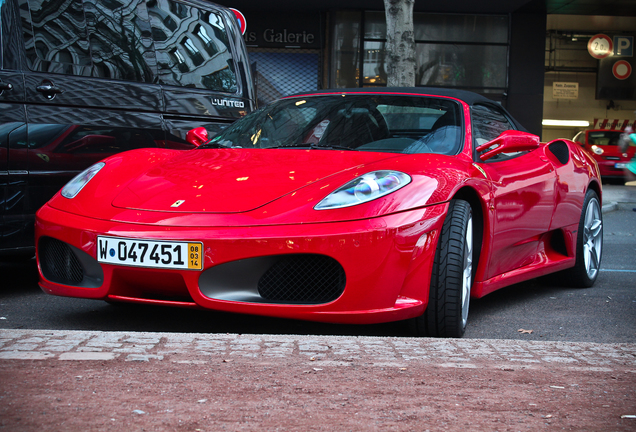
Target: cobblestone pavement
325, 350
128, 381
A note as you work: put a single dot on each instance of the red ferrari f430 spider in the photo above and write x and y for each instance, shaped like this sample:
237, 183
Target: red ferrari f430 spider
360, 206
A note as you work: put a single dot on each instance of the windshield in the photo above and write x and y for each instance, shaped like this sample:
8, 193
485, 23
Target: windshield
379, 123
603, 137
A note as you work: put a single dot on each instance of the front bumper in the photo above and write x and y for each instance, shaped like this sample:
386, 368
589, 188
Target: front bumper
608, 169
386, 265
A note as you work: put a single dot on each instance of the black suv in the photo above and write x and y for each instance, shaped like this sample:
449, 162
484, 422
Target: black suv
83, 79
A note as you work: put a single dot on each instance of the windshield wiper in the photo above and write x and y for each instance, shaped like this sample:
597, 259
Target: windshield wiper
216, 145
313, 146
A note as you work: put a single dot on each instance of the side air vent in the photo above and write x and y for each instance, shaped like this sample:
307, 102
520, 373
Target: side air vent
561, 151
59, 263
64, 264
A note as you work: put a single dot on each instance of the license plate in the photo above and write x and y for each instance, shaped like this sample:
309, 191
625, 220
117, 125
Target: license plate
174, 255
620, 165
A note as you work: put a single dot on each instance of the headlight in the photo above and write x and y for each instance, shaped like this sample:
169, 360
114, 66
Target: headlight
365, 188
597, 150
73, 187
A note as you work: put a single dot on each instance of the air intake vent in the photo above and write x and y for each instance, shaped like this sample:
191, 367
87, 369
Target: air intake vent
561, 151
307, 279
58, 262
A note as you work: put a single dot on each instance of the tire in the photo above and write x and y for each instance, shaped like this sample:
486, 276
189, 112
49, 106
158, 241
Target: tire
451, 280
589, 244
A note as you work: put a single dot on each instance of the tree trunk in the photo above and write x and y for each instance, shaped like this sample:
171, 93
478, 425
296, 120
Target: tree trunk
400, 43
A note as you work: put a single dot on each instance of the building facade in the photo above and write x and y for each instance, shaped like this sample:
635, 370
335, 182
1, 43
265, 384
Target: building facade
495, 48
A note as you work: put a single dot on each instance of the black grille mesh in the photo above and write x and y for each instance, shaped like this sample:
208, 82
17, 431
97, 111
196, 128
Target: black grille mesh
303, 279
561, 151
58, 262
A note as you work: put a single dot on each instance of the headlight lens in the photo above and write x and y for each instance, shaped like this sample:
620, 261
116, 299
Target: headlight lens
73, 187
365, 188
597, 150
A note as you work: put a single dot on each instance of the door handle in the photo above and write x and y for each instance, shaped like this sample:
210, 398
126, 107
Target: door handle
5, 86
48, 89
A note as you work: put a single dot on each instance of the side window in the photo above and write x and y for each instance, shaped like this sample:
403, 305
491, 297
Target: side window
121, 40
102, 38
488, 124
192, 47
56, 36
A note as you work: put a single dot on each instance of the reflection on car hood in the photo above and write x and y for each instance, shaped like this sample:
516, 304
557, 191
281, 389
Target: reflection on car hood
233, 181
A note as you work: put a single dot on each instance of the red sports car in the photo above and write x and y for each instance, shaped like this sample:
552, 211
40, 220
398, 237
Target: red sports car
603, 145
357, 206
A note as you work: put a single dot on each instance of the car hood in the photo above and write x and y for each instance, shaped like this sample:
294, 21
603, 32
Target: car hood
233, 180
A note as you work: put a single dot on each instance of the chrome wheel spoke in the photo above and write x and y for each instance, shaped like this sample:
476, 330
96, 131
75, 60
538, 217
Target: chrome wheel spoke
468, 271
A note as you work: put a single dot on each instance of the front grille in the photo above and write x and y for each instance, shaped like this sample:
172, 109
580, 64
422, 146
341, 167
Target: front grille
305, 279
58, 262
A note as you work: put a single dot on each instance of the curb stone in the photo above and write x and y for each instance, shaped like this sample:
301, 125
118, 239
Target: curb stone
64, 345
610, 207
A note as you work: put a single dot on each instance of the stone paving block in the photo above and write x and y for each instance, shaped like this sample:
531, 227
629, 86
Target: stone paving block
143, 358
101, 344
23, 347
25, 355
88, 356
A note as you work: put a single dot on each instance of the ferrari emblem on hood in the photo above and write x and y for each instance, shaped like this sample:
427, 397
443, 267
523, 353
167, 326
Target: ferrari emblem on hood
177, 203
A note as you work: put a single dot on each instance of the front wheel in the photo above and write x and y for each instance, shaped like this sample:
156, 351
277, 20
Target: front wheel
589, 244
447, 312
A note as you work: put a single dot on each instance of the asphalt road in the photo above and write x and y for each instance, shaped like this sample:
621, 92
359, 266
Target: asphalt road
605, 313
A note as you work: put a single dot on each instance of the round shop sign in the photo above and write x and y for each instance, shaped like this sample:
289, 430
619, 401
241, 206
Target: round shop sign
241, 19
600, 46
622, 69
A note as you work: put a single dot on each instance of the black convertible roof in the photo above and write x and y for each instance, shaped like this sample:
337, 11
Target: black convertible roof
464, 95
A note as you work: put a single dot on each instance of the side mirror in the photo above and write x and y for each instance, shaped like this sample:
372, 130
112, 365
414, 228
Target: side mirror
197, 136
509, 142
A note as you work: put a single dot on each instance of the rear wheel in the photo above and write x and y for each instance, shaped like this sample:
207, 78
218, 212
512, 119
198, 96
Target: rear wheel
447, 312
589, 244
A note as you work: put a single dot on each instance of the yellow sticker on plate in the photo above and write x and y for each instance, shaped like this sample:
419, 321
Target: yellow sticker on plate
195, 257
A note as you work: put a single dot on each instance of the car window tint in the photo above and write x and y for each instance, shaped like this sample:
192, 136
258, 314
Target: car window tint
192, 47
121, 40
55, 36
602, 138
366, 123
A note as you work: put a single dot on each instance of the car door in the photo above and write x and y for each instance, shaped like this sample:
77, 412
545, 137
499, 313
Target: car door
522, 197
13, 161
89, 66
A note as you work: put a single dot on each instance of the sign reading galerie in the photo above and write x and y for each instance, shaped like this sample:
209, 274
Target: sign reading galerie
291, 31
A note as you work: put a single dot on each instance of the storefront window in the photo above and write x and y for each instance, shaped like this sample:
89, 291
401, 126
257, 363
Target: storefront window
457, 51
346, 50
